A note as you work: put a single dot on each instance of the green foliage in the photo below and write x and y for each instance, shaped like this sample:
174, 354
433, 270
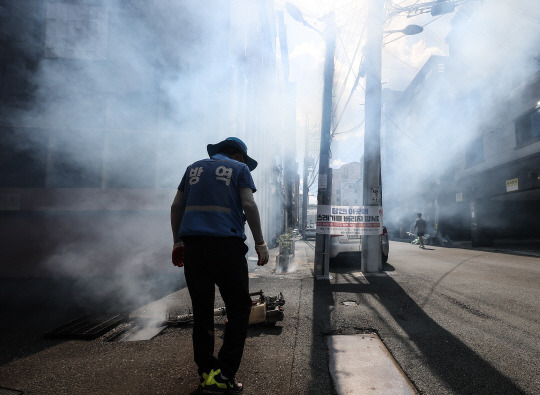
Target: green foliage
286, 243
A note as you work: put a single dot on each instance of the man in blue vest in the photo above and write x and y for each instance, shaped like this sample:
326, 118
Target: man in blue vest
212, 204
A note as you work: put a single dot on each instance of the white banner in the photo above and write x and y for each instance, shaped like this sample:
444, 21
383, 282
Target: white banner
349, 220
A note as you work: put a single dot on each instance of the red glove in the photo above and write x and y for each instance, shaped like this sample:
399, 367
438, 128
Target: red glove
178, 254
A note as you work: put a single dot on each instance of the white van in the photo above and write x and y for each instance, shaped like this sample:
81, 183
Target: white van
353, 245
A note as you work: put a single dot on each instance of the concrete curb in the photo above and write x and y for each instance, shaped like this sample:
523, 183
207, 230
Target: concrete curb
361, 364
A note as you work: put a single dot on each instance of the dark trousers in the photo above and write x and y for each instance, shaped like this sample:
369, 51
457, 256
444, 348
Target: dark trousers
221, 261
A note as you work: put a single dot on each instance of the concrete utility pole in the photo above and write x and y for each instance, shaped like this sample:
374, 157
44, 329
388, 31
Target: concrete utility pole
305, 187
372, 188
289, 123
371, 249
322, 242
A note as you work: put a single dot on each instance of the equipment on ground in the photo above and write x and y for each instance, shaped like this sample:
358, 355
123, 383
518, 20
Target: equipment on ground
264, 310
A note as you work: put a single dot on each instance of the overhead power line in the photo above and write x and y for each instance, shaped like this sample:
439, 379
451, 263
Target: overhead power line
436, 8
401, 130
401, 60
353, 129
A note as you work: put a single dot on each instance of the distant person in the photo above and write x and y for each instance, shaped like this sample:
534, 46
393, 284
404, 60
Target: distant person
421, 226
213, 202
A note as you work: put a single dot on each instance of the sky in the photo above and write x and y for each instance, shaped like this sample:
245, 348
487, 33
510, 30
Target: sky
497, 49
402, 58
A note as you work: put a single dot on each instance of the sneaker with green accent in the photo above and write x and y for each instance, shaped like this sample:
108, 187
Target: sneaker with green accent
202, 382
216, 384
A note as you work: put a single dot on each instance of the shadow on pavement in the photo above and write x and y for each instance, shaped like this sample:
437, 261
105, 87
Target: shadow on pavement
445, 355
388, 267
323, 302
264, 330
33, 306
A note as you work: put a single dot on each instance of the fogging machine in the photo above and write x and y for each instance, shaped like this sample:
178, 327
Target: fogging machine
264, 310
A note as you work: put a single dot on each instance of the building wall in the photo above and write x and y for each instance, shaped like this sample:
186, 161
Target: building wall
104, 104
463, 146
347, 185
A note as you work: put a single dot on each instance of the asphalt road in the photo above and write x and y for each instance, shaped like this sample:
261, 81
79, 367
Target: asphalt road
457, 321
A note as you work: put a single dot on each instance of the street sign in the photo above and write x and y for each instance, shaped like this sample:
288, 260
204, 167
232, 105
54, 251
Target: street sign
512, 185
351, 221
323, 181
376, 195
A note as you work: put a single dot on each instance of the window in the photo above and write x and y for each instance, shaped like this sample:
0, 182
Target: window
76, 159
130, 160
528, 128
535, 123
23, 154
475, 153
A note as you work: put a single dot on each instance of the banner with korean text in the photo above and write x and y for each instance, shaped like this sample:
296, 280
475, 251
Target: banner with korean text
349, 220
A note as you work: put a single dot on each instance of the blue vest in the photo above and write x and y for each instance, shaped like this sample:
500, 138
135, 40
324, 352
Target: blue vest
212, 197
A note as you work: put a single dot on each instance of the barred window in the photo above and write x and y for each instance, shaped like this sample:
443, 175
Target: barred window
527, 128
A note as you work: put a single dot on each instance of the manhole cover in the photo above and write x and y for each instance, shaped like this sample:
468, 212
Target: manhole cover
87, 327
349, 303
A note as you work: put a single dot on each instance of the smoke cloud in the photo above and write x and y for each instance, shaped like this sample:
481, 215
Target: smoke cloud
119, 97
115, 96
479, 55
492, 48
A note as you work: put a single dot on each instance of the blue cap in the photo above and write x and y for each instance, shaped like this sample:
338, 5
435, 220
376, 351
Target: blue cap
236, 143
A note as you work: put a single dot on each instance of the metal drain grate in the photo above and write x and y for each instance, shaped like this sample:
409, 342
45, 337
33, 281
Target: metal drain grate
9, 391
87, 327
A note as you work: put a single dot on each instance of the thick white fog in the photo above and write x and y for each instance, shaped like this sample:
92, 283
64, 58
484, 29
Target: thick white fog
123, 95
487, 49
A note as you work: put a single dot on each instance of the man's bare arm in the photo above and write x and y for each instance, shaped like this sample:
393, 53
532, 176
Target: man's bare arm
252, 214
177, 213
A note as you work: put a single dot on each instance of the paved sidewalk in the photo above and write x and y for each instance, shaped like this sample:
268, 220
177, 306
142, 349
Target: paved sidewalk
286, 358
289, 358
